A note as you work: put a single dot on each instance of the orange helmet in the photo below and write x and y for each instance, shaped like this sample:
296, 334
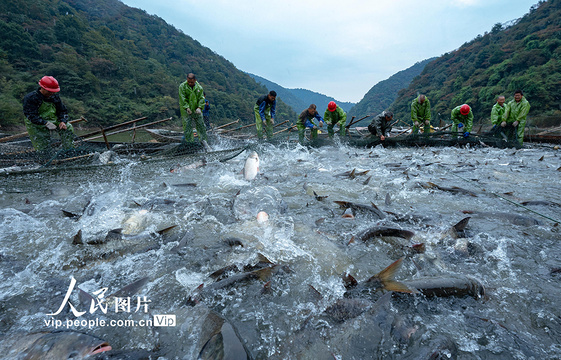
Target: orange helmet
464, 110
331, 106
49, 83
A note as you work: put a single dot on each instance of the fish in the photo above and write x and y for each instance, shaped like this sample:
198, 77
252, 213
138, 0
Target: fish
87, 299
135, 223
251, 167
446, 286
458, 230
320, 198
515, 219
194, 165
388, 200
367, 180
541, 202
53, 346
381, 231
224, 341
384, 280
453, 189
368, 209
352, 174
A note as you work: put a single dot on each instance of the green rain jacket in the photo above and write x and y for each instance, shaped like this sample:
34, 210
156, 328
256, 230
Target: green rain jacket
420, 112
467, 120
336, 116
191, 98
497, 114
517, 111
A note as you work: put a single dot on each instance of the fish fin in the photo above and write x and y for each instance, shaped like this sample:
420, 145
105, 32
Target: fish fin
468, 211
131, 289
137, 204
70, 215
432, 185
263, 274
85, 298
343, 204
315, 294
374, 206
349, 281
263, 259
461, 225
393, 285
351, 241
115, 234
367, 181
388, 273
419, 248
388, 199
77, 239
163, 231
352, 175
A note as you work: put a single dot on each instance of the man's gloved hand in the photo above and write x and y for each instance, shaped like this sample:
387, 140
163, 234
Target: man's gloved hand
515, 124
460, 125
466, 134
189, 112
198, 111
314, 127
321, 124
503, 124
65, 118
427, 122
50, 125
416, 123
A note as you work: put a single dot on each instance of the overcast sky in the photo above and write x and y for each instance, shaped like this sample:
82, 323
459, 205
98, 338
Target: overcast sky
337, 48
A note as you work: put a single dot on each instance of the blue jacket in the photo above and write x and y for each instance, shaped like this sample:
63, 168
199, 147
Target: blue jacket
262, 104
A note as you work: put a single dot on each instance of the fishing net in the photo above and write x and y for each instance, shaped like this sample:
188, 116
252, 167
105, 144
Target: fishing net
20, 156
437, 139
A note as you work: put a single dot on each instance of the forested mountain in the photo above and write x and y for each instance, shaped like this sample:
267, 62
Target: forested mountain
525, 55
300, 99
384, 93
113, 62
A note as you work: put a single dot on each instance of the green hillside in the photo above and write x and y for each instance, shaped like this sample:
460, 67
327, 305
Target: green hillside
113, 62
525, 55
384, 93
300, 99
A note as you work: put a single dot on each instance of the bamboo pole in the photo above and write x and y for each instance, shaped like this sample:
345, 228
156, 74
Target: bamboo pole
236, 129
228, 124
124, 130
283, 130
20, 135
548, 131
72, 158
354, 122
277, 125
113, 127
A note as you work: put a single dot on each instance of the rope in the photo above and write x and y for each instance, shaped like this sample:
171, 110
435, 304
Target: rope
499, 196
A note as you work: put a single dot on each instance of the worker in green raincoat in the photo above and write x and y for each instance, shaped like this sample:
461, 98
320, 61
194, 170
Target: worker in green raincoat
265, 110
335, 115
191, 103
498, 117
515, 115
44, 111
420, 114
311, 119
462, 117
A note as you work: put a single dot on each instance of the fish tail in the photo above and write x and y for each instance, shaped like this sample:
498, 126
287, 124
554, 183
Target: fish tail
388, 273
397, 286
77, 239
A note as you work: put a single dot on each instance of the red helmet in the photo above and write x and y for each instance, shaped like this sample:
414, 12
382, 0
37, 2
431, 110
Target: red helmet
464, 110
331, 106
49, 83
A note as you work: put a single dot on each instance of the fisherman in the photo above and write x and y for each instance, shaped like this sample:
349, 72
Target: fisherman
498, 116
306, 120
462, 117
420, 114
381, 125
515, 115
191, 102
335, 115
264, 110
44, 111
206, 114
